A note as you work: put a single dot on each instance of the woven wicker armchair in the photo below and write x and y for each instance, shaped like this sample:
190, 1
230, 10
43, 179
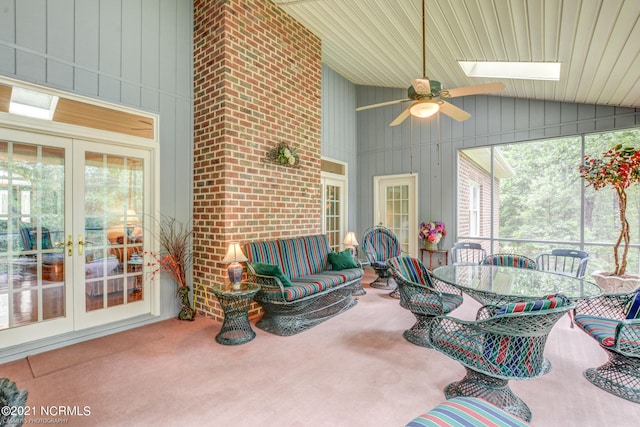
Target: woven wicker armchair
496, 348
510, 260
380, 244
604, 319
422, 295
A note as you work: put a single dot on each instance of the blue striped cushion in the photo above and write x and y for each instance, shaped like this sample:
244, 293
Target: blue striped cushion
431, 301
381, 244
599, 328
303, 289
548, 302
317, 251
509, 260
347, 274
266, 252
634, 307
412, 270
466, 412
294, 257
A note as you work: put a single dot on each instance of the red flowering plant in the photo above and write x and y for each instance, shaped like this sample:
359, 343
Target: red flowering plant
174, 259
432, 231
618, 167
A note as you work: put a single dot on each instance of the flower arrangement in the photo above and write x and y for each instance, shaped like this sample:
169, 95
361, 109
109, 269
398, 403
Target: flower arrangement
432, 232
618, 167
175, 259
284, 155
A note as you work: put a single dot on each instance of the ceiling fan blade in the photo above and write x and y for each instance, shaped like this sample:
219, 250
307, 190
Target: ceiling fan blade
421, 86
453, 111
382, 104
473, 90
401, 118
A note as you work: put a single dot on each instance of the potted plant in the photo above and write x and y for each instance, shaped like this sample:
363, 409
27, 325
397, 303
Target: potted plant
175, 259
431, 233
617, 168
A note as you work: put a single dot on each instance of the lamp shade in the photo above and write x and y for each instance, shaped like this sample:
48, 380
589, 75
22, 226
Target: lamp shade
234, 254
424, 109
350, 239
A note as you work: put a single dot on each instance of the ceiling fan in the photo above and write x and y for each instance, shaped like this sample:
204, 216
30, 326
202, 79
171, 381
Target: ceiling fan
427, 95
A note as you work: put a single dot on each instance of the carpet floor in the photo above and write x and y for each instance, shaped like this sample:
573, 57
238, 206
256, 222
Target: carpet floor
353, 370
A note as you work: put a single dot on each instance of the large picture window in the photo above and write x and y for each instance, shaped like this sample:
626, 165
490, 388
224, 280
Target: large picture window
528, 198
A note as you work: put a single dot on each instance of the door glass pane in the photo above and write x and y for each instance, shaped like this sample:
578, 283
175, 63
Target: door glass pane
32, 274
332, 215
397, 215
113, 230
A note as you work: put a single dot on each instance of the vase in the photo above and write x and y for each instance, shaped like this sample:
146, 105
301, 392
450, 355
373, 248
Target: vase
186, 312
430, 246
615, 284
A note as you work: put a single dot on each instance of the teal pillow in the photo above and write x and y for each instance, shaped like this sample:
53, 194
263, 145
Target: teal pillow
342, 260
271, 270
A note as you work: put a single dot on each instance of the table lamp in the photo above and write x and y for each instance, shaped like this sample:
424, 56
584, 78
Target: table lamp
234, 257
351, 242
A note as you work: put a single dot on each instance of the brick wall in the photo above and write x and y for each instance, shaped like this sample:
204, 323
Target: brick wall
257, 83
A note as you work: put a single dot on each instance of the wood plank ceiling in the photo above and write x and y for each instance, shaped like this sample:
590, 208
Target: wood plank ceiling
379, 43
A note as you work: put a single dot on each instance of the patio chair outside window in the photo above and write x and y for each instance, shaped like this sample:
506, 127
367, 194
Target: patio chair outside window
467, 253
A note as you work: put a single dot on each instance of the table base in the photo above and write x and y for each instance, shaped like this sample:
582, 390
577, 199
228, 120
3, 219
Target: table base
493, 390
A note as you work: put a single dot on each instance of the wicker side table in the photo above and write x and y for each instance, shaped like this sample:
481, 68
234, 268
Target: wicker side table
236, 328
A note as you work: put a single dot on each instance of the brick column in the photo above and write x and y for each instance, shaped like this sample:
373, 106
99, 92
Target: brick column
257, 83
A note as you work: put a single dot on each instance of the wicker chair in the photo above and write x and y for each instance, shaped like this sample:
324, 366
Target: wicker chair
570, 262
380, 244
467, 253
12, 397
565, 261
502, 344
510, 260
422, 295
604, 318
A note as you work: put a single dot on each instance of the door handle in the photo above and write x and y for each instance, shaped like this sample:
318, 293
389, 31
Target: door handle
70, 245
81, 244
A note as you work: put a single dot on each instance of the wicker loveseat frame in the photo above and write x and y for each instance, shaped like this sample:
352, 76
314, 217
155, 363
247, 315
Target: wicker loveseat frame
316, 292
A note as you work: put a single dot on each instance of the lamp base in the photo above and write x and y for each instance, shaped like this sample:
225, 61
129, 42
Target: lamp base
235, 273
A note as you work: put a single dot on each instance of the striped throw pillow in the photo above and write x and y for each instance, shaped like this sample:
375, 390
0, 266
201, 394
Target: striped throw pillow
634, 307
550, 301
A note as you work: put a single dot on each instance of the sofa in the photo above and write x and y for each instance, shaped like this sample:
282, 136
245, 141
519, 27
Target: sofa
302, 282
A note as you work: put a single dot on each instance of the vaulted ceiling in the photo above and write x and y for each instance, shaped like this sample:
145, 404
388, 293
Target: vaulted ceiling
379, 43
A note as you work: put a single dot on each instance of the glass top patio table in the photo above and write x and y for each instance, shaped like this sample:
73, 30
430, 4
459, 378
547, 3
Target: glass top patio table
491, 284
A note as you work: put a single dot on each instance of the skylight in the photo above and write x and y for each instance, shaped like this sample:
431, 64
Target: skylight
31, 103
512, 70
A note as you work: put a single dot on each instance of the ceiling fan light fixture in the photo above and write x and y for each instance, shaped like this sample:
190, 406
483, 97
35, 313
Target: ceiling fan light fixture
422, 110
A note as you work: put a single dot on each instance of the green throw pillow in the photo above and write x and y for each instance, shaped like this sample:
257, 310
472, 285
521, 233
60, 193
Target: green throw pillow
342, 260
271, 270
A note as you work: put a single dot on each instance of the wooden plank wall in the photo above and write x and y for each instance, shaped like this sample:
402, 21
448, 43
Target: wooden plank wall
429, 148
136, 53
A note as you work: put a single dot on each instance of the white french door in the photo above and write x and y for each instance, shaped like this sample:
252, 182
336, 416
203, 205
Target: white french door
334, 204
72, 221
396, 207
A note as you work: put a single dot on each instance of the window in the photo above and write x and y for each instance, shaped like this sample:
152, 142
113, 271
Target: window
528, 198
474, 209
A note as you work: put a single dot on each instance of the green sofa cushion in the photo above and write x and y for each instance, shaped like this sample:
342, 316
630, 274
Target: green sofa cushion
342, 260
265, 269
